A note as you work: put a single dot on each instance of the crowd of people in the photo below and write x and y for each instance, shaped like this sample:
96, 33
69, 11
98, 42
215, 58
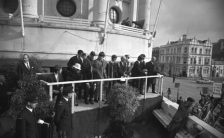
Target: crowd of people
88, 67
83, 67
210, 110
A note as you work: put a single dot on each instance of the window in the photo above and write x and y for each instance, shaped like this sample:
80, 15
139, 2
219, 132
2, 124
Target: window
66, 8
114, 15
199, 60
10, 6
185, 50
192, 50
195, 50
200, 51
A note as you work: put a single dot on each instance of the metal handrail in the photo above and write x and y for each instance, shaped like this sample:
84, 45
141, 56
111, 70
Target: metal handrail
51, 84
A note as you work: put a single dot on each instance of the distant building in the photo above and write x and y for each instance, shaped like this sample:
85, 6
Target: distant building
217, 68
218, 50
155, 52
186, 57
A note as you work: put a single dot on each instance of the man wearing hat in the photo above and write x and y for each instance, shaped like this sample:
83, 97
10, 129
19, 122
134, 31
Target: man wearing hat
63, 115
99, 72
26, 126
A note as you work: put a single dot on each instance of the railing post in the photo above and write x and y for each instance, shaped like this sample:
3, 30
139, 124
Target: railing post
73, 98
161, 85
145, 88
101, 91
51, 92
126, 81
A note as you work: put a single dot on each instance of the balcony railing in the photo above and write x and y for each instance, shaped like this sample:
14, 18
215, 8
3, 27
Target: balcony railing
128, 29
50, 85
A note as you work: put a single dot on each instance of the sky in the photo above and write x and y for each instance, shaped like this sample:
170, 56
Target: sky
202, 19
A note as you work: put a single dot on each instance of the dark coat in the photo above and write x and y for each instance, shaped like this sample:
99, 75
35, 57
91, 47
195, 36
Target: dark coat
52, 78
73, 60
86, 70
23, 71
63, 116
27, 126
152, 68
137, 69
112, 70
122, 69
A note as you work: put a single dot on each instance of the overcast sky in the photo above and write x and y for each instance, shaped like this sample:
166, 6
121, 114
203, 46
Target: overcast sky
200, 18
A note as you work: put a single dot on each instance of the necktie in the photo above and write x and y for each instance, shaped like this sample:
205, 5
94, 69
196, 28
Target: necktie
27, 65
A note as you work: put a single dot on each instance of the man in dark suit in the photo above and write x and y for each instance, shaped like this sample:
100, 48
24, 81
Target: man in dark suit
137, 71
75, 59
25, 68
56, 77
26, 126
63, 115
152, 70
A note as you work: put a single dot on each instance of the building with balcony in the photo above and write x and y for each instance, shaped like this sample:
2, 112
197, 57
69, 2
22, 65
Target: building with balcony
187, 57
53, 30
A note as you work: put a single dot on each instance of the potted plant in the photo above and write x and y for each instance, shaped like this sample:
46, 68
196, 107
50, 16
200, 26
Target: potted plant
122, 102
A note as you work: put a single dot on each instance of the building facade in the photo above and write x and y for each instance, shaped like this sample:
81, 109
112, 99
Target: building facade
53, 30
155, 52
186, 57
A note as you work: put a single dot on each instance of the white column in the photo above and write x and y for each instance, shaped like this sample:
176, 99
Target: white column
90, 9
147, 14
30, 8
134, 9
99, 11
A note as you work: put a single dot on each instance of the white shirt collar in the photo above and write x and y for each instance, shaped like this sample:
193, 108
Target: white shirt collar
30, 109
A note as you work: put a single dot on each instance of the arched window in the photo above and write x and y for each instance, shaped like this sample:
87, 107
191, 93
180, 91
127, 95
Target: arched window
114, 15
66, 8
10, 6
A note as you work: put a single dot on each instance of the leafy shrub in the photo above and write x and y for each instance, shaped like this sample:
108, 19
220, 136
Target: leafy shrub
30, 87
123, 103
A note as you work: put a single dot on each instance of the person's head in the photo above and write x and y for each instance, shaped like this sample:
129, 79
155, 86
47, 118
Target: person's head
84, 55
169, 89
56, 69
77, 67
123, 59
25, 58
92, 55
32, 102
140, 58
101, 55
190, 102
127, 57
114, 58
180, 98
153, 59
80, 52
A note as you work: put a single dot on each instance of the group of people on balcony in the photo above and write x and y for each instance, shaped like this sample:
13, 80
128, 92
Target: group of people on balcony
88, 67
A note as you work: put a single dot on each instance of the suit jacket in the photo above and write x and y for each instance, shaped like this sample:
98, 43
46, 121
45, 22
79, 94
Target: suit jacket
152, 68
99, 69
27, 126
86, 70
52, 78
112, 70
23, 71
122, 69
63, 115
137, 69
